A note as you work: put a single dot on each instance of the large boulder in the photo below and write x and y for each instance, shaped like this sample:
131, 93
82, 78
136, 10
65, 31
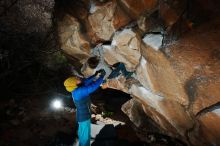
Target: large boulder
162, 77
206, 91
176, 85
105, 19
134, 111
180, 82
206, 127
168, 110
135, 8
150, 23
125, 48
173, 70
172, 10
71, 39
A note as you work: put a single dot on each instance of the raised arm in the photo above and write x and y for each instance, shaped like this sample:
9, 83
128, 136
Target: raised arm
84, 91
95, 85
89, 80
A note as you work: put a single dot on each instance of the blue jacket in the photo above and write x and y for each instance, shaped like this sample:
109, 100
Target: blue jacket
81, 97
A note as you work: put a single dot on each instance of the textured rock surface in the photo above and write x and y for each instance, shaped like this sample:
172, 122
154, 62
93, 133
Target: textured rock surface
176, 85
72, 40
207, 93
207, 128
160, 105
171, 11
155, 41
100, 21
150, 23
125, 48
133, 109
135, 8
105, 20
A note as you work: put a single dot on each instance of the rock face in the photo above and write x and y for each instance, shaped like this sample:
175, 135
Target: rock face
176, 85
139, 6
100, 20
125, 48
71, 39
105, 20
208, 128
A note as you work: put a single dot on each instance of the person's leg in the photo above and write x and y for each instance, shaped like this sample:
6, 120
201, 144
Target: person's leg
84, 133
124, 71
115, 73
120, 68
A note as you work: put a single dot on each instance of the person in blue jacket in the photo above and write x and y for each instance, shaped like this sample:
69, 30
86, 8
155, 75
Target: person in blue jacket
80, 90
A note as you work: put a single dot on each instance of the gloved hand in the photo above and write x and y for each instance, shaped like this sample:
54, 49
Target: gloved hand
102, 72
97, 72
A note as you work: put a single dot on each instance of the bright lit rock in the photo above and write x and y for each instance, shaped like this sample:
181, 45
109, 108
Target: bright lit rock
176, 85
154, 40
167, 108
142, 73
125, 48
72, 40
105, 19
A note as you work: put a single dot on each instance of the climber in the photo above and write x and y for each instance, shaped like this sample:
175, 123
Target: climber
111, 71
97, 62
80, 90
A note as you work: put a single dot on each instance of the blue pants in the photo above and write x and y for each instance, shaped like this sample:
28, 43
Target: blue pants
119, 68
84, 133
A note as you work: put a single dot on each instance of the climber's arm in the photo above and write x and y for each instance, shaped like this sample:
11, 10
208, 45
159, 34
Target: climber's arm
89, 80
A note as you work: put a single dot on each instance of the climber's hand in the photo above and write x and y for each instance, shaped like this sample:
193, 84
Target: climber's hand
102, 72
97, 72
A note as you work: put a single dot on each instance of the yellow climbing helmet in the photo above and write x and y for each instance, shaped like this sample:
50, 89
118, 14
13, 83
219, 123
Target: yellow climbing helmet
70, 84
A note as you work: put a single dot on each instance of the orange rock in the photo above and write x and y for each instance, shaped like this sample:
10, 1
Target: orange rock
101, 21
163, 123
149, 24
120, 18
207, 129
162, 77
118, 84
176, 85
134, 111
71, 39
170, 115
210, 128
206, 92
171, 11
136, 7
125, 48
172, 71
168, 15
105, 19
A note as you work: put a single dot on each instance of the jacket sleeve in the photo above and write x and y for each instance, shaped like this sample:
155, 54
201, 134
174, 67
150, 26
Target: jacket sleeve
95, 85
88, 80
84, 91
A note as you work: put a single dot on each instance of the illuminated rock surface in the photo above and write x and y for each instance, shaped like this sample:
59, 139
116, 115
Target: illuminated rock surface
172, 46
175, 83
